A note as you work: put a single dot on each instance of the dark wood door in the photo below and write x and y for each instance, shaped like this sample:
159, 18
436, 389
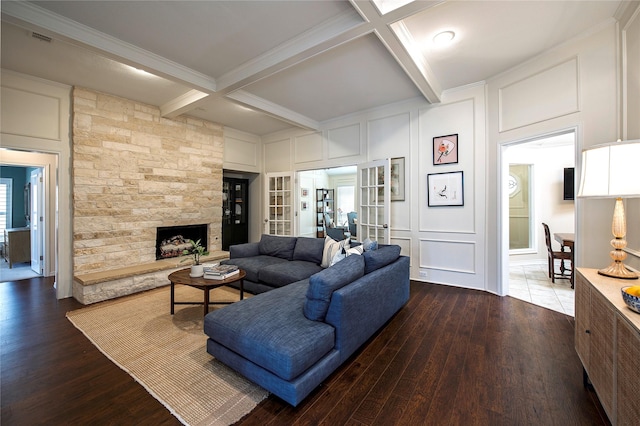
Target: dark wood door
235, 211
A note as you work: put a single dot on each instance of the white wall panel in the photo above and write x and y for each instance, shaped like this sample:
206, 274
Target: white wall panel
631, 61
43, 128
308, 147
30, 114
404, 243
344, 141
548, 94
277, 156
241, 150
389, 136
455, 118
448, 255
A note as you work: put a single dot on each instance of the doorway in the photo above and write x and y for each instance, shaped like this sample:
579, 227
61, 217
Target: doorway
341, 180
542, 161
23, 207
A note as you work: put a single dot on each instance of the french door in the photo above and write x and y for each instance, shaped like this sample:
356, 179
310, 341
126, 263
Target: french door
374, 201
279, 204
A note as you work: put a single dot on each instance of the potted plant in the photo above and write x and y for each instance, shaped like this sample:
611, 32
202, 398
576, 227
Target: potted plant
196, 251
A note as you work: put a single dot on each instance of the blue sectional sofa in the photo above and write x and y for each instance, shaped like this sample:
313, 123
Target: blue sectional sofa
290, 339
276, 261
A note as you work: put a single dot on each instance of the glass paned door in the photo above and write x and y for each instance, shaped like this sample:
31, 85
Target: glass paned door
374, 201
279, 220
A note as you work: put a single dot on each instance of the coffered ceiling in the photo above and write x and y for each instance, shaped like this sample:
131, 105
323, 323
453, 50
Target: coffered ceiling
265, 66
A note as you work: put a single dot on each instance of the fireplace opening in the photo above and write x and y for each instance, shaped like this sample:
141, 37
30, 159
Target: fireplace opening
172, 240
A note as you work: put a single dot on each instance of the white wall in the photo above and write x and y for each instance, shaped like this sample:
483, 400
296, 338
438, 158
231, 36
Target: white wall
586, 99
446, 244
35, 118
243, 158
311, 180
631, 118
572, 87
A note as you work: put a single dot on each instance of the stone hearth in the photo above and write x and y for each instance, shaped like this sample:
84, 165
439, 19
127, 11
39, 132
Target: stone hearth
105, 285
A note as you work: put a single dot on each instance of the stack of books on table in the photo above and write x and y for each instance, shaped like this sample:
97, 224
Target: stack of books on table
220, 272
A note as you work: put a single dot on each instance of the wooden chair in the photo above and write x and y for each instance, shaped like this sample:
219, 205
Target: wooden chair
552, 256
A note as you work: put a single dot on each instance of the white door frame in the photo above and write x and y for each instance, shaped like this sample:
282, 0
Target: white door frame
503, 202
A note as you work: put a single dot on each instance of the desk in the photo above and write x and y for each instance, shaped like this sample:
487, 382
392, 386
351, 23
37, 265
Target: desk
566, 239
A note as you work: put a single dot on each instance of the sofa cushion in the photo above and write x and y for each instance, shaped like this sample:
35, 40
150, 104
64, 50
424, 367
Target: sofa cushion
277, 275
244, 250
309, 249
331, 247
324, 283
383, 256
277, 246
272, 334
253, 265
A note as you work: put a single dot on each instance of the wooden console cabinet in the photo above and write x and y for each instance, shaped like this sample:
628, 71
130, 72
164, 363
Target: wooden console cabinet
17, 245
607, 339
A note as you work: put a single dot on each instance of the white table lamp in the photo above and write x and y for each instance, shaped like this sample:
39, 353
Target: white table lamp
612, 170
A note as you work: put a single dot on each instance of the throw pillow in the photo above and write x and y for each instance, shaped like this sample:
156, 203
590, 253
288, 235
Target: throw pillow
369, 245
354, 250
331, 247
344, 253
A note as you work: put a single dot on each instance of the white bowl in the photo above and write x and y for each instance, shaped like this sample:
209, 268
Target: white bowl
632, 302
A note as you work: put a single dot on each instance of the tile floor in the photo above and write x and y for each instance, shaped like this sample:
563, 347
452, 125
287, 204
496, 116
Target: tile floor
530, 282
20, 271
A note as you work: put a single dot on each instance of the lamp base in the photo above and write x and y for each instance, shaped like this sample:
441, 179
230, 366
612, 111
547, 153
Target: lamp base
618, 270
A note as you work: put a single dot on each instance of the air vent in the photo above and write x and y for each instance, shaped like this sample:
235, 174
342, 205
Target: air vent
41, 37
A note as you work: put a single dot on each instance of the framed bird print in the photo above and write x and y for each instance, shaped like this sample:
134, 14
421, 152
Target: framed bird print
445, 189
445, 150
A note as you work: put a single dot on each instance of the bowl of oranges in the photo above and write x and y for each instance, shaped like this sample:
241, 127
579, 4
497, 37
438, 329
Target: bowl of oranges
631, 296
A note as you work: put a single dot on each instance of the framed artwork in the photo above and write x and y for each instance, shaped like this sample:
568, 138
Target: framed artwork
304, 205
445, 149
305, 192
445, 189
397, 179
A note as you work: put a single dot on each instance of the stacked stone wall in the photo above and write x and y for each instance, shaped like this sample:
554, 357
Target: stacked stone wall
134, 171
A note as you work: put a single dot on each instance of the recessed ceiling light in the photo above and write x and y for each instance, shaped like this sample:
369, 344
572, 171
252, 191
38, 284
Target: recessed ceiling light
443, 38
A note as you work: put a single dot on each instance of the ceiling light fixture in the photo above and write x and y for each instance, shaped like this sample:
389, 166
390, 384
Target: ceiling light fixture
443, 38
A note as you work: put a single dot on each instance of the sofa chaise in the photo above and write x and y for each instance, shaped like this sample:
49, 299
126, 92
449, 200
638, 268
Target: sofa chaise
290, 339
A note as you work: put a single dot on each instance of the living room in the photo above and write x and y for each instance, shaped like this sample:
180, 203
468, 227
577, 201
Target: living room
584, 84
477, 114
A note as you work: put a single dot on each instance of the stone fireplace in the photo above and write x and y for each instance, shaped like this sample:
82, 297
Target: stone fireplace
135, 171
172, 240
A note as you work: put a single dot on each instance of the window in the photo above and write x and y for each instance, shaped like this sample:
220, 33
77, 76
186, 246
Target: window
6, 185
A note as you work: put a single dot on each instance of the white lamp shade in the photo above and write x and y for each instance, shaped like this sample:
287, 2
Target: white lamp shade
611, 170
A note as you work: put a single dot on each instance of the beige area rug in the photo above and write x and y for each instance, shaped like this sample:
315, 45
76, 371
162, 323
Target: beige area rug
167, 354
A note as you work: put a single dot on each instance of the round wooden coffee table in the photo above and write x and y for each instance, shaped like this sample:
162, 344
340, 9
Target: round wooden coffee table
182, 277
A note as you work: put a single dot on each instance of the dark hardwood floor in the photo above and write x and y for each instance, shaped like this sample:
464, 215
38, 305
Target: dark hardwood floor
451, 356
